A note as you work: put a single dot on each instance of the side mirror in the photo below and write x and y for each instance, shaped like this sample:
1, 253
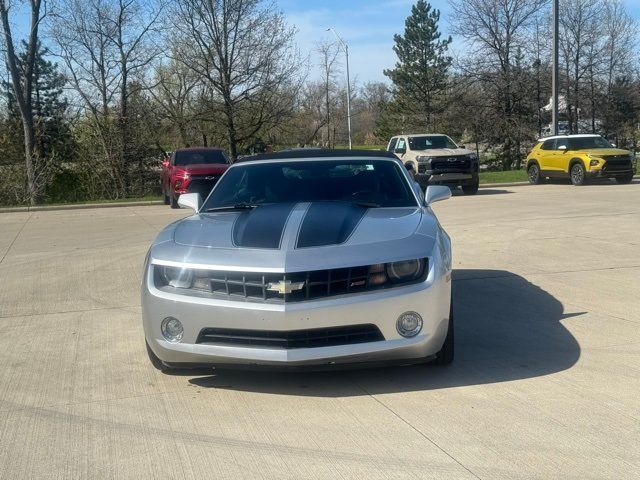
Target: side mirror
190, 200
409, 166
562, 147
401, 151
614, 145
436, 193
462, 146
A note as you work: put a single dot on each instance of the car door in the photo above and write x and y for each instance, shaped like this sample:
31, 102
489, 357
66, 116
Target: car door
546, 155
559, 160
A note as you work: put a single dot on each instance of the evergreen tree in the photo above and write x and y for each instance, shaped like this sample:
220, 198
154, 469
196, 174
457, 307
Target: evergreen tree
420, 74
53, 137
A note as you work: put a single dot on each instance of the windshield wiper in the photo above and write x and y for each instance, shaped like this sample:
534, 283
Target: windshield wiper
237, 206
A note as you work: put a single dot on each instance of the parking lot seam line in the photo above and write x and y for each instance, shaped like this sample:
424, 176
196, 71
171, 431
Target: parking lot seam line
15, 238
423, 435
67, 311
220, 441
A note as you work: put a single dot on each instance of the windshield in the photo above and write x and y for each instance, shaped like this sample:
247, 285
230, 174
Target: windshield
376, 182
200, 157
431, 141
584, 143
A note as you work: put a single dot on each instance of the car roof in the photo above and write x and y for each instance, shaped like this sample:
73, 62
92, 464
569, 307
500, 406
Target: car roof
318, 153
422, 135
581, 135
199, 149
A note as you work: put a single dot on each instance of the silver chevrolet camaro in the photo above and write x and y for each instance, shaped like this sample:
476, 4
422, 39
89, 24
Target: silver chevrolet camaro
302, 258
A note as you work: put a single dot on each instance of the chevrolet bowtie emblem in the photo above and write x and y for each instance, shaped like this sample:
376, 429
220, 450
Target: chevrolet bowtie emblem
285, 286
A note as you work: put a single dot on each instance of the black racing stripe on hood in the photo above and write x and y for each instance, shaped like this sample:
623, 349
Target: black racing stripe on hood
328, 223
263, 226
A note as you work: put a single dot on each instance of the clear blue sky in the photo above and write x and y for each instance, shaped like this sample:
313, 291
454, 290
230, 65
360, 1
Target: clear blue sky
367, 26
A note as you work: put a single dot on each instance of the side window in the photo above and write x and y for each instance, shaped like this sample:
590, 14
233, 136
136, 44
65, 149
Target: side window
392, 144
562, 144
402, 144
547, 145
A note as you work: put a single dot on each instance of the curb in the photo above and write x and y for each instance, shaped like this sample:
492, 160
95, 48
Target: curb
80, 206
495, 185
519, 184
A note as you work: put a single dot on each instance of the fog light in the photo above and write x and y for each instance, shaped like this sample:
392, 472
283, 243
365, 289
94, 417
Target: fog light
409, 324
172, 329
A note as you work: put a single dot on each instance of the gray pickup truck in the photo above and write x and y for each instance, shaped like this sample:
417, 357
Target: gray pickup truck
436, 159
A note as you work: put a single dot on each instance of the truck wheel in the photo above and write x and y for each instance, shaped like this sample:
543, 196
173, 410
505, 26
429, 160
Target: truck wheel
445, 355
471, 188
174, 202
626, 179
533, 172
578, 175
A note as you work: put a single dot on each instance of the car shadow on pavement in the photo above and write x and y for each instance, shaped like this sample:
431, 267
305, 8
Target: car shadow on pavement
507, 329
483, 191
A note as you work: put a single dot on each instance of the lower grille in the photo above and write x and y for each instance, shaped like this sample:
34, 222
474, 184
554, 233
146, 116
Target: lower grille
311, 338
617, 163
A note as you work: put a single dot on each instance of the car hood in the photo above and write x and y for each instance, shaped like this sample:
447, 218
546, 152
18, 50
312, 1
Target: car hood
203, 168
444, 152
302, 236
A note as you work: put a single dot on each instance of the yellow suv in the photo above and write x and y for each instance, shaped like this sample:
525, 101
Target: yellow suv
579, 158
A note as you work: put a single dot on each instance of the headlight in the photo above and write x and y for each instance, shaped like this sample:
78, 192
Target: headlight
177, 277
424, 159
594, 162
472, 156
405, 271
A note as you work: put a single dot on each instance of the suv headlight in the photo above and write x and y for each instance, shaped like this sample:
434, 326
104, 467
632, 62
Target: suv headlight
176, 277
472, 156
424, 158
405, 271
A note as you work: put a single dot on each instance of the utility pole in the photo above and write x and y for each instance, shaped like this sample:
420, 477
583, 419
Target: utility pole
345, 47
554, 75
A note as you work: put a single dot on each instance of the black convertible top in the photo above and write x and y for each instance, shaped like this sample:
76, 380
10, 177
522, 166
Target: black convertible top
317, 153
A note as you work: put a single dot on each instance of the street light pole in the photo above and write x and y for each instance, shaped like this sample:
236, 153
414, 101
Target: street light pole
554, 74
346, 53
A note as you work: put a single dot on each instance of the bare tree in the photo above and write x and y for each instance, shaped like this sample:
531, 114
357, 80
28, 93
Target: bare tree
497, 32
174, 91
22, 84
328, 52
106, 45
243, 49
580, 49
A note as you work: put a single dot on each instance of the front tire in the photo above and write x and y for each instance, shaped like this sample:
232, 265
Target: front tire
446, 353
471, 188
578, 174
626, 179
534, 174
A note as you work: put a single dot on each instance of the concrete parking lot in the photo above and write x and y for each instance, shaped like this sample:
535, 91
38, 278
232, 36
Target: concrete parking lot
546, 383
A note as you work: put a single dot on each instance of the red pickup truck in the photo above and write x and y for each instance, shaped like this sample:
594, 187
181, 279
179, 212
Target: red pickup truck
192, 170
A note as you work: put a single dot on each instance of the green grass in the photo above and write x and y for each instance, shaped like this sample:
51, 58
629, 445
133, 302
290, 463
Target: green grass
503, 177
147, 198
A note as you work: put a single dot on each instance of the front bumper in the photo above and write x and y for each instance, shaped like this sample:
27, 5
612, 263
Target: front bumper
610, 173
431, 299
434, 178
